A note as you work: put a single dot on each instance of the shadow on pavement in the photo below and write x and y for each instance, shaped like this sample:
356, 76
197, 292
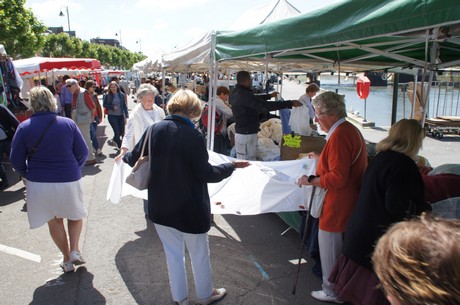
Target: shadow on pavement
142, 265
9, 195
67, 288
249, 258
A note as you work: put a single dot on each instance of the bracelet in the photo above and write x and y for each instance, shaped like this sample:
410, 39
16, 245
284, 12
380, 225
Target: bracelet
310, 178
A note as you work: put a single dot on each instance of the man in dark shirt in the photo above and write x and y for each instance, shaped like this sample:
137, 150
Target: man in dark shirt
247, 111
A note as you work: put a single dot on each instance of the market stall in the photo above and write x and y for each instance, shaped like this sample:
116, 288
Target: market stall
47, 69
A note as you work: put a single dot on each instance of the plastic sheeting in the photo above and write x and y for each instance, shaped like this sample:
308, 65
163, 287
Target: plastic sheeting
263, 187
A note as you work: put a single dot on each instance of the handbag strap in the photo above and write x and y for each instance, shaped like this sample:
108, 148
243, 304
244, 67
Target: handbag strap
360, 150
147, 140
34, 148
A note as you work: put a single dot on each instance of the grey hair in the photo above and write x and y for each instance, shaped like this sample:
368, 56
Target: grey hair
42, 100
145, 89
331, 103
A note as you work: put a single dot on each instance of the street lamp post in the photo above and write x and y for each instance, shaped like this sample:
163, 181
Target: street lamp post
61, 14
140, 45
116, 34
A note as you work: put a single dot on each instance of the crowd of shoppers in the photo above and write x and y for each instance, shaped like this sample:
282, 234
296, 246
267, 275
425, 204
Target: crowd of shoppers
362, 201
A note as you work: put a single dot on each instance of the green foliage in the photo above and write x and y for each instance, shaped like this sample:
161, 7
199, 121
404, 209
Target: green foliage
24, 36
21, 32
61, 45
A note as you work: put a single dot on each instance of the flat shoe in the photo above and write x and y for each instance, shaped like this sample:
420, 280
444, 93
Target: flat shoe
323, 297
90, 162
183, 302
67, 267
75, 258
217, 294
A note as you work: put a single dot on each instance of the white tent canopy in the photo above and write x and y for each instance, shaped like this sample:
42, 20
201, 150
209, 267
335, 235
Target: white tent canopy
275, 10
196, 53
196, 56
148, 65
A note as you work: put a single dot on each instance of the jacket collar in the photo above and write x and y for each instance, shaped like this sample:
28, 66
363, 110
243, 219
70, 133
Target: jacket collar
181, 119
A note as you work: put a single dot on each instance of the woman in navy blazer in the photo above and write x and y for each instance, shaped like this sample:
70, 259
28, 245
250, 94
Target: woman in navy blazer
178, 196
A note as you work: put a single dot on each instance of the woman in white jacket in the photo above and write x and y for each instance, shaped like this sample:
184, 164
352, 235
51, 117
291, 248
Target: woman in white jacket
141, 117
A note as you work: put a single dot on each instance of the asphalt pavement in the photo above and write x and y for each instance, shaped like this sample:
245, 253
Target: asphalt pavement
125, 259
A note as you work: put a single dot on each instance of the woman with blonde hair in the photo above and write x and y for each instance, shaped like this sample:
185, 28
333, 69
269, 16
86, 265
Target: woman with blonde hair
178, 198
418, 262
49, 152
391, 191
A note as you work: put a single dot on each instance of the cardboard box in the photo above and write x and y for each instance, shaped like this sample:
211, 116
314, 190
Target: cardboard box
292, 146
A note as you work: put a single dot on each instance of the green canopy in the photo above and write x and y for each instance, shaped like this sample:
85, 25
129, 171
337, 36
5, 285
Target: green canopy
356, 34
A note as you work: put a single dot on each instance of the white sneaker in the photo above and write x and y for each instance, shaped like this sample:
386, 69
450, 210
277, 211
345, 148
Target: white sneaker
217, 294
75, 258
323, 297
98, 152
67, 267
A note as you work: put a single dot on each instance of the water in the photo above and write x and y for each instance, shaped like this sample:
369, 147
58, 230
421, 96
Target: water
379, 102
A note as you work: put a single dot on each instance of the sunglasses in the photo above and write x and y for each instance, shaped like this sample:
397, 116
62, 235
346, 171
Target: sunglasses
68, 86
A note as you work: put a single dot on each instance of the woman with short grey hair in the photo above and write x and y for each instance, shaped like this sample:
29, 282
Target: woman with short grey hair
330, 103
340, 168
141, 117
49, 152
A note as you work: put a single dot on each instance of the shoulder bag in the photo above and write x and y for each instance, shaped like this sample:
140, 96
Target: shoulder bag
140, 174
318, 195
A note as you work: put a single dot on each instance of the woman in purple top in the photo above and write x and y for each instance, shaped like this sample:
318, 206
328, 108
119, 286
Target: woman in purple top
49, 152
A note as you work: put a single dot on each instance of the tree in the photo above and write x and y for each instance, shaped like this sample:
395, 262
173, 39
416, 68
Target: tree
21, 33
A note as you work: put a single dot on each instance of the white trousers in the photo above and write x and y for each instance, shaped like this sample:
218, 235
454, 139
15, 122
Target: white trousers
330, 246
246, 146
174, 243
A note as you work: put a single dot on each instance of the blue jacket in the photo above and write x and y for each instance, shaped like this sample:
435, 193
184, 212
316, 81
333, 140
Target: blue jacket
60, 155
107, 103
178, 191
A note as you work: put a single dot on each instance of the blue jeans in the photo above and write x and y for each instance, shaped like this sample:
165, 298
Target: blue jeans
285, 114
118, 125
93, 133
5, 147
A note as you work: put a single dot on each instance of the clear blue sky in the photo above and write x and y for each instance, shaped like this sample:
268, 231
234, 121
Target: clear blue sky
159, 26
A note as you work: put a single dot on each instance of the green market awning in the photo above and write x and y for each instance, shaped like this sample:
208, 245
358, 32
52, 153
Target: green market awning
356, 35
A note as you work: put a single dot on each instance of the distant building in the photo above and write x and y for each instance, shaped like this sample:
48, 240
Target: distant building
60, 29
106, 41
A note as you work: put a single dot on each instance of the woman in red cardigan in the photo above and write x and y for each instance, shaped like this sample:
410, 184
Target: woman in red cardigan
340, 168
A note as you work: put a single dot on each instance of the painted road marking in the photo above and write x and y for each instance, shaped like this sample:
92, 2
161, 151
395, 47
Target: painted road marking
21, 253
296, 261
261, 270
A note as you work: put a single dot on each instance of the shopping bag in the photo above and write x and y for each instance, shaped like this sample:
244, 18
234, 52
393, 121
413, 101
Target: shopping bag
317, 201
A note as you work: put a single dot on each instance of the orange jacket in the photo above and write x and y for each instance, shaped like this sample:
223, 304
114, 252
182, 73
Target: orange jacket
341, 166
